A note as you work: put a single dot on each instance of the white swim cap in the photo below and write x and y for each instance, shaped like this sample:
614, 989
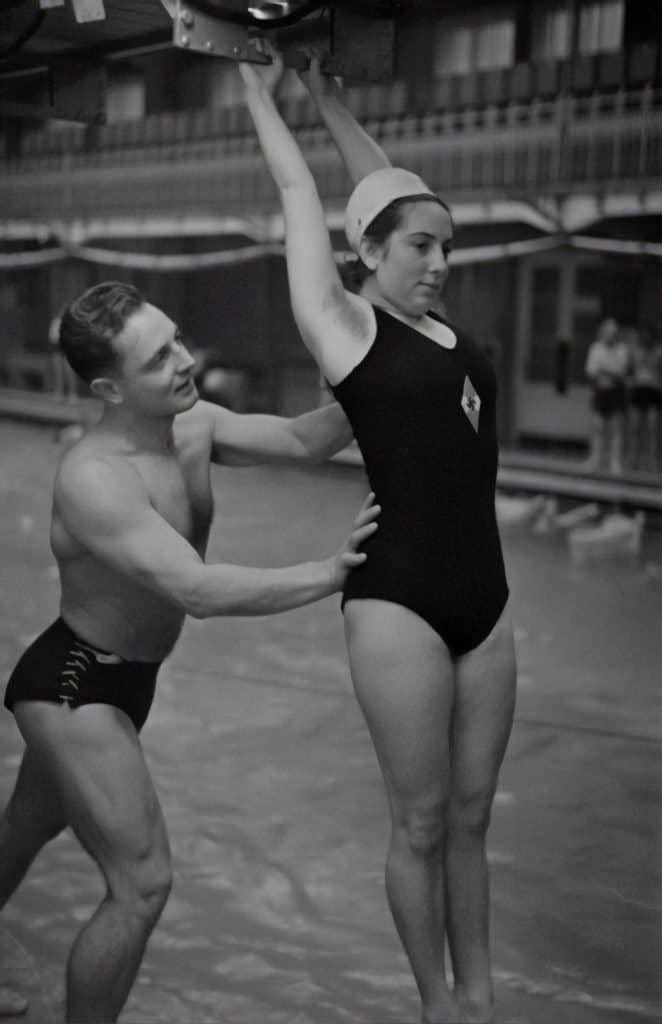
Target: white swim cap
374, 193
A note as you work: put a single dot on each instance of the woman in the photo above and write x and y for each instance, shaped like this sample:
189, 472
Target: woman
427, 625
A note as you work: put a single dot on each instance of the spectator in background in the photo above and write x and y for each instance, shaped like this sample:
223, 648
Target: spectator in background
607, 365
645, 400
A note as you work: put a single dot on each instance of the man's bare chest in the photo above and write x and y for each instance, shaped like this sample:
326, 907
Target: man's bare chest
180, 490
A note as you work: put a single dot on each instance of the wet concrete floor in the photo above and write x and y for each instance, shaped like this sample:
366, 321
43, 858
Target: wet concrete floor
277, 817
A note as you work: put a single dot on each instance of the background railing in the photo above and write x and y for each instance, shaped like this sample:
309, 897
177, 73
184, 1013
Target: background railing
486, 134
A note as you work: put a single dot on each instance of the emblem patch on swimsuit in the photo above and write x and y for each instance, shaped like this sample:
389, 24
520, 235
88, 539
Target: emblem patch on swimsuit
471, 403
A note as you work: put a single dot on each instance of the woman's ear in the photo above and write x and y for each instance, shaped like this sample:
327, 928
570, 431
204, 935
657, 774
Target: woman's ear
370, 253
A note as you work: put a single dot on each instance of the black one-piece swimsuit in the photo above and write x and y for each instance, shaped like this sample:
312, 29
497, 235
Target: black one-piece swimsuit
424, 417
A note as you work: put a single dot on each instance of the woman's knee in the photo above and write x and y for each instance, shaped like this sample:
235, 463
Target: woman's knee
420, 826
470, 812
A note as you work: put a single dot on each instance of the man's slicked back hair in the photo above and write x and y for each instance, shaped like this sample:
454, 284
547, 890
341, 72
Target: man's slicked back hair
91, 323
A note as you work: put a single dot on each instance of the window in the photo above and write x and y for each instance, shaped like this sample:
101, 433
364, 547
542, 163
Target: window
601, 27
125, 99
552, 33
495, 45
474, 44
225, 85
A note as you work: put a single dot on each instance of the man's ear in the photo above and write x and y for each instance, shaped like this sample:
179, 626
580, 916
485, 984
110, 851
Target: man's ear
107, 389
370, 253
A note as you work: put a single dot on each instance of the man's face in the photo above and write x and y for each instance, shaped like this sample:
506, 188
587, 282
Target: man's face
610, 333
155, 368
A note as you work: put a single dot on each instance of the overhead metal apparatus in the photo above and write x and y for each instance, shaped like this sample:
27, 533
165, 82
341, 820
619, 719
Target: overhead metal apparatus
53, 53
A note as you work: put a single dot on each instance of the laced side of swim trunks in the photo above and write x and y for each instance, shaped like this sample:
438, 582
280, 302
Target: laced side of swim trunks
78, 660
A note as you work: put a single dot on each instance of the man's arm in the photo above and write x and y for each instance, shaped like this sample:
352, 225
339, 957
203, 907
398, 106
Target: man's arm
106, 507
241, 439
359, 151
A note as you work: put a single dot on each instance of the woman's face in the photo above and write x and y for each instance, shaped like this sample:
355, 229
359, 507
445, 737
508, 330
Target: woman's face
412, 264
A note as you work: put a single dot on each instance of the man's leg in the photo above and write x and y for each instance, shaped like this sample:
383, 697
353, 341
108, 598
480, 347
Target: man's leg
32, 817
403, 677
96, 763
597, 445
650, 416
616, 442
482, 719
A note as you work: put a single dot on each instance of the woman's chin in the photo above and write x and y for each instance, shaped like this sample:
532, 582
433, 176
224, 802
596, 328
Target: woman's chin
417, 307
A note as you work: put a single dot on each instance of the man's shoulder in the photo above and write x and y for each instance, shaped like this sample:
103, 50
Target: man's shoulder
89, 469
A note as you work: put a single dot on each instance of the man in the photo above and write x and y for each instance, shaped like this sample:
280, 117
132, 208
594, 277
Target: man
607, 367
131, 516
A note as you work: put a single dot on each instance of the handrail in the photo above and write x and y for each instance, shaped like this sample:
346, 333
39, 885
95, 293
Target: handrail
186, 161
603, 79
230, 127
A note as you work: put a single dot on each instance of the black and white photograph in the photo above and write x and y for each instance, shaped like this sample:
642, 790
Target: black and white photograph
331, 511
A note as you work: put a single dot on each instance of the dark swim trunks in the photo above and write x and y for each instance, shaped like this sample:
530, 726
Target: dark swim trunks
424, 417
646, 396
609, 401
58, 666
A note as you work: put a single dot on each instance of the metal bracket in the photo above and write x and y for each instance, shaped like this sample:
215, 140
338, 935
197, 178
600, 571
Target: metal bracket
88, 10
362, 48
202, 33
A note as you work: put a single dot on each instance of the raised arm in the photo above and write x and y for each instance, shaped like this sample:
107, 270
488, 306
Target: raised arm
322, 309
106, 507
241, 439
359, 151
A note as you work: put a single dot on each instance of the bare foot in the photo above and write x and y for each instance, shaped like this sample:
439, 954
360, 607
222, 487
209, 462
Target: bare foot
11, 1003
448, 1013
473, 1011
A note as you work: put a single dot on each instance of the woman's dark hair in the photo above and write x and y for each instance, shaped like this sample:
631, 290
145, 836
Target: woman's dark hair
390, 218
380, 229
91, 323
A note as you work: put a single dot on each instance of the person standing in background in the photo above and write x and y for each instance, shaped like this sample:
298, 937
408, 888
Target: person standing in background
645, 400
607, 365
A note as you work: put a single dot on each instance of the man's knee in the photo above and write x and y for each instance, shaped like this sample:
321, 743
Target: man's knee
144, 883
155, 892
421, 825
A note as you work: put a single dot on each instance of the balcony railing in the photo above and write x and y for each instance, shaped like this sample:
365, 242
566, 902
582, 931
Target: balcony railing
207, 161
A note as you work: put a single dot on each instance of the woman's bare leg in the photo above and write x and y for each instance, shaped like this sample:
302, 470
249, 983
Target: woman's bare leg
481, 724
403, 675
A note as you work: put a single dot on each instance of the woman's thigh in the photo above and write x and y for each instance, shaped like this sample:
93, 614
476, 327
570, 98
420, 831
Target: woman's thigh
485, 689
98, 770
403, 677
